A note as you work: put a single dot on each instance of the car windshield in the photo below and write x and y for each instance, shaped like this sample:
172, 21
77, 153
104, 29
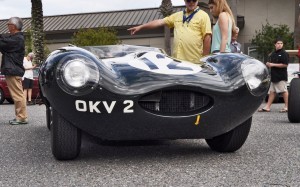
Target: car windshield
112, 51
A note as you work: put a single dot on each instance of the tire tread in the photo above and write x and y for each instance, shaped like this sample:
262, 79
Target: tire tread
65, 138
294, 101
232, 140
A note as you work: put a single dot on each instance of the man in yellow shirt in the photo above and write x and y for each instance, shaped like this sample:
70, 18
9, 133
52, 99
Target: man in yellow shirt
192, 31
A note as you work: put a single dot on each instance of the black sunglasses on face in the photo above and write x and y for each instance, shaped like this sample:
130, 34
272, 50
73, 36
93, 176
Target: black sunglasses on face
188, 1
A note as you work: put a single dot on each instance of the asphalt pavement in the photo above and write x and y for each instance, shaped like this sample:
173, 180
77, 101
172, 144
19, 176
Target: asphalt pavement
270, 157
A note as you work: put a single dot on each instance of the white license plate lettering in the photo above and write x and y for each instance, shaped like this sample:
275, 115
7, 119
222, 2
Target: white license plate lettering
106, 106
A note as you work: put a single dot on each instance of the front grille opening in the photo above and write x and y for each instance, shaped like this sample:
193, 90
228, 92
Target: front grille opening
175, 102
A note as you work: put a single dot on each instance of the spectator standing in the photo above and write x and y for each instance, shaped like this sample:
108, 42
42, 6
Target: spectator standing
278, 63
235, 46
28, 77
192, 31
223, 28
12, 47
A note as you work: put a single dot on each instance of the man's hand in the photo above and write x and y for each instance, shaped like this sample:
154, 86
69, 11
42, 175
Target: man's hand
134, 30
150, 25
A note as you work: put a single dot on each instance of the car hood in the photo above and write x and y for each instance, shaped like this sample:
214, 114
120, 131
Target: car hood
142, 72
138, 70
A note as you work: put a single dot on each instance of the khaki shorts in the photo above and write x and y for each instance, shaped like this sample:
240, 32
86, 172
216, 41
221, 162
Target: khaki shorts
278, 87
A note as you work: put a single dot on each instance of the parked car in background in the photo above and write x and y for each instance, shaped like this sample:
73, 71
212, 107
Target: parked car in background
294, 89
292, 69
4, 92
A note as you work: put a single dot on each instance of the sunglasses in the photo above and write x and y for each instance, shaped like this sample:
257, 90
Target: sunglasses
188, 1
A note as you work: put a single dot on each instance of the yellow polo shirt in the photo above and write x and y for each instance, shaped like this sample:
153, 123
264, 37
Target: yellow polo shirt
188, 37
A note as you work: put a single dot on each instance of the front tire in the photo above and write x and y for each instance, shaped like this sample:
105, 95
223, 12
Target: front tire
232, 140
65, 138
294, 101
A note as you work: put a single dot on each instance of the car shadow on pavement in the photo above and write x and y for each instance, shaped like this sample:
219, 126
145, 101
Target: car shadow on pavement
95, 149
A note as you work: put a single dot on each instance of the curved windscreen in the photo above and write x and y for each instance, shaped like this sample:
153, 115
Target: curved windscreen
114, 51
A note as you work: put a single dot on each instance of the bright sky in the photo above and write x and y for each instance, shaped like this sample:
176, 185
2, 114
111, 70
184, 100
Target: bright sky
22, 8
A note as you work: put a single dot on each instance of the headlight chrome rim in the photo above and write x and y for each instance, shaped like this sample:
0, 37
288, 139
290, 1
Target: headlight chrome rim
256, 76
77, 75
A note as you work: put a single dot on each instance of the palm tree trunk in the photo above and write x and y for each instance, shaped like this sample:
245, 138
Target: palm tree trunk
297, 23
166, 9
37, 27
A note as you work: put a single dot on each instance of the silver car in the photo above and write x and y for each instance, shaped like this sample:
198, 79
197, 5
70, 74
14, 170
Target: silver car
292, 69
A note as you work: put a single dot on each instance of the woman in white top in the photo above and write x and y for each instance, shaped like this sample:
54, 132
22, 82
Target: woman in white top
224, 27
28, 77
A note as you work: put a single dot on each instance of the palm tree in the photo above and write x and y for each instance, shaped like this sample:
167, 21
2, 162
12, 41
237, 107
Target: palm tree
297, 23
37, 28
166, 8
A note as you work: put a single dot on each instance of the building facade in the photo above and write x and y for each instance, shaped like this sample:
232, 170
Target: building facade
259, 12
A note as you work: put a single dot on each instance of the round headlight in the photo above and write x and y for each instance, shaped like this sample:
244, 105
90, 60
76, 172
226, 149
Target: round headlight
256, 76
77, 74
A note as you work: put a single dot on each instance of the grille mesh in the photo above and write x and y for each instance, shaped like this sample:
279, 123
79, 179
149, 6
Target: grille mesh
174, 101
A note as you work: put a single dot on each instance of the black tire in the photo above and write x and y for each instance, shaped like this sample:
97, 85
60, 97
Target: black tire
1, 96
294, 101
232, 140
48, 117
65, 138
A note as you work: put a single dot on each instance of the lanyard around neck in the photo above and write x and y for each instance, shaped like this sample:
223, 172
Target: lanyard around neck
189, 18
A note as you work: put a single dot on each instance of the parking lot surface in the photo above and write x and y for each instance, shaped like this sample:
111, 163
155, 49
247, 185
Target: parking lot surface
270, 157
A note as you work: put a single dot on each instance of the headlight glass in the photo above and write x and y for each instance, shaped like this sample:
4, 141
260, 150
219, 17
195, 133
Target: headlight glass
256, 76
77, 75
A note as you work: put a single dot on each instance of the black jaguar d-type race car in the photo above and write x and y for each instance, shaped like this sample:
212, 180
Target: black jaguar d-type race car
124, 92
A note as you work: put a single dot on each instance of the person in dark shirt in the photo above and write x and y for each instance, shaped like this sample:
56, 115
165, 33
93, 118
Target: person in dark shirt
12, 47
278, 63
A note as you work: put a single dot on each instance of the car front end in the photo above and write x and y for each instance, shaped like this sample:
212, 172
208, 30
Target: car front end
148, 95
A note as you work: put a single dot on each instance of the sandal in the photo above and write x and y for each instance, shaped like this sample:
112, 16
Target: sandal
263, 110
283, 110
